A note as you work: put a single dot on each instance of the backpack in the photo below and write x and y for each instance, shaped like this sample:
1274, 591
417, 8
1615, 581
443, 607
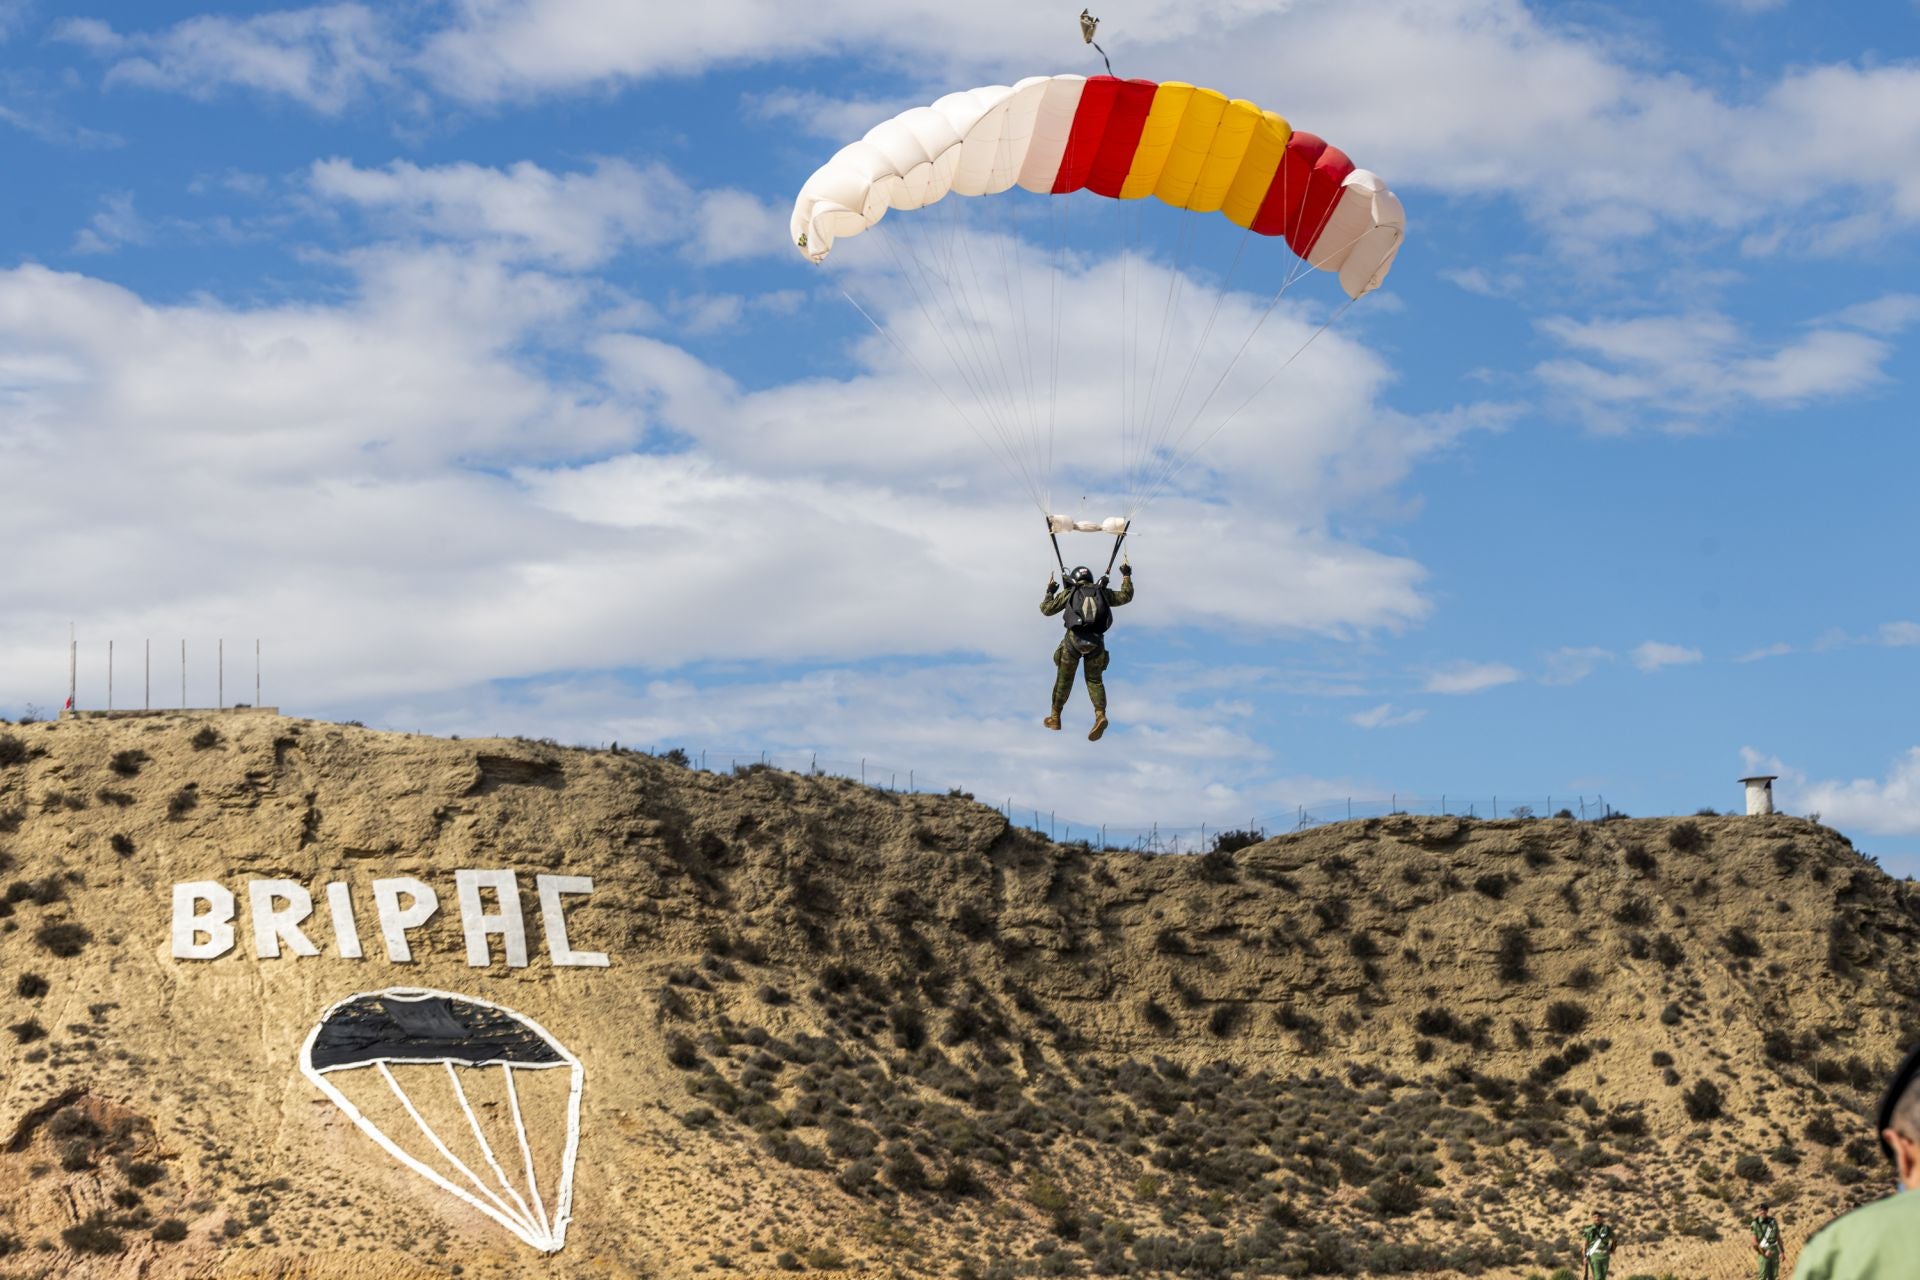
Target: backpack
1087, 617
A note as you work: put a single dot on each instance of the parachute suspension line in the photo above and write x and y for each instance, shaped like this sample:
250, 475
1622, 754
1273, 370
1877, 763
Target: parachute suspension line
1191, 454
1176, 292
1206, 334
989, 333
1016, 281
1063, 223
1176, 455
1009, 457
997, 450
1054, 538
973, 334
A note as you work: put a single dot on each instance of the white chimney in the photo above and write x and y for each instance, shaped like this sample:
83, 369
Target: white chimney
1760, 795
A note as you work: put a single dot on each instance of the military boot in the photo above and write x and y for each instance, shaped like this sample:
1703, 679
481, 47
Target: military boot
1053, 719
1099, 726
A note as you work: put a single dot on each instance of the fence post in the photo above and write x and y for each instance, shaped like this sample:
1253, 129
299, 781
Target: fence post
1349, 808
1051, 815
1203, 835
815, 766
1443, 804
909, 779
109, 675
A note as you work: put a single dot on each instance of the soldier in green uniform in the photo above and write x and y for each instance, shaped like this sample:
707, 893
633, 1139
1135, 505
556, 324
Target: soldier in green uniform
1091, 613
1596, 1238
1766, 1242
1882, 1240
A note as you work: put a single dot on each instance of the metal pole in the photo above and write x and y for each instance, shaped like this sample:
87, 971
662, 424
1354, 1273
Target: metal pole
220, 676
256, 671
109, 675
909, 779
73, 669
147, 702
183, 673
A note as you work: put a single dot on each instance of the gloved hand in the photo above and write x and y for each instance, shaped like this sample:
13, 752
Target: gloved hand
1126, 570
1053, 587
1103, 579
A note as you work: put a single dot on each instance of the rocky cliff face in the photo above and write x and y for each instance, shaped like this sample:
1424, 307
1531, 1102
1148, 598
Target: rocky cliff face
838, 1028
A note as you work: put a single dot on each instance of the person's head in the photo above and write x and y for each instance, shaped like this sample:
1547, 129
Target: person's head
1762, 1210
1599, 1217
1900, 1121
1080, 575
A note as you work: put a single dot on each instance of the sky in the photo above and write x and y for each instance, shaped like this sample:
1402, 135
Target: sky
459, 353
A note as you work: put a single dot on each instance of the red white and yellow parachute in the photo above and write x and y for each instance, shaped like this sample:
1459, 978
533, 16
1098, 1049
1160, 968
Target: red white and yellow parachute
1188, 147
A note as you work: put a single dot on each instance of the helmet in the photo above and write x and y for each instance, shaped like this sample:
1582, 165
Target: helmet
1081, 574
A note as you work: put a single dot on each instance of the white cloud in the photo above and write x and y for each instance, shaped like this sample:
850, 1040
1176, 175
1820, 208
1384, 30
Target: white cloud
1385, 717
1655, 654
456, 475
571, 220
1778, 649
1468, 677
1900, 634
1685, 368
1888, 314
1888, 806
1574, 664
117, 223
325, 58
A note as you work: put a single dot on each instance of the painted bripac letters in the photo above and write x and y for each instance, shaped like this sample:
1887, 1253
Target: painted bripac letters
204, 914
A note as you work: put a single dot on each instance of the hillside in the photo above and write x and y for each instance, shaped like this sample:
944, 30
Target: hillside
840, 1028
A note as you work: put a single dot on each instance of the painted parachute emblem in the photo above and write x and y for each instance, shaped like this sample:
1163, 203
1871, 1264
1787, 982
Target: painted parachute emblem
479, 1100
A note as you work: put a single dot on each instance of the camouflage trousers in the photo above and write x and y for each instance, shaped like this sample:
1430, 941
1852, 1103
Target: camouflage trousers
1065, 660
1597, 1265
1769, 1268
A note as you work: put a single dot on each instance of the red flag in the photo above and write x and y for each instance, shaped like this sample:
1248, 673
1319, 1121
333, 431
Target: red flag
69, 702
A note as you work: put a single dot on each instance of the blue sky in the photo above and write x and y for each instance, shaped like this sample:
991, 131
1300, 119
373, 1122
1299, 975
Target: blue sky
459, 352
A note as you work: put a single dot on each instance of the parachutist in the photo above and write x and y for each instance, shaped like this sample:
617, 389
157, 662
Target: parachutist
1088, 24
1088, 606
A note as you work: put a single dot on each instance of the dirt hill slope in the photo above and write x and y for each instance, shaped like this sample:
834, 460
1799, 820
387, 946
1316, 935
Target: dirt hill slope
841, 1028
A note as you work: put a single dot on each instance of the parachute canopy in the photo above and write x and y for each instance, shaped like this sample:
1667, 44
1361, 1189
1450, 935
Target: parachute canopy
1189, 147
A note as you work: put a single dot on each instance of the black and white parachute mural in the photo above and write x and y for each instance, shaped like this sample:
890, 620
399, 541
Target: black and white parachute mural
474, 1097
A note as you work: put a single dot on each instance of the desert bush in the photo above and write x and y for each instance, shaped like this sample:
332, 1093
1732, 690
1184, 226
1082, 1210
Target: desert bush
94, 1235
127, 764
63, 938
1567, 1018
1740, 943
1821, 1129
682, 1053
27, 1031
1704, 1101
1638, 859
1234, 841
1753, 1169
205, 737
1225, 1019
13, 750
1667, 952
1633, 911
1157, 1016
182, 802
144, 1173
122, 844
1394, 1195
30, 986
170, 1231
1661, 1058
1492, 885
1511, 958
1686, 837
1216, 865
1670, 1015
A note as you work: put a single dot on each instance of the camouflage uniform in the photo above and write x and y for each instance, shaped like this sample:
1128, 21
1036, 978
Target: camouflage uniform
1066, 659
1766, 1243
1597, 1238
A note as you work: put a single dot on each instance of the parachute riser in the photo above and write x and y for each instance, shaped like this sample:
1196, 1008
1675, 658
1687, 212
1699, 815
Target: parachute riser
1054, 538
1119, 538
